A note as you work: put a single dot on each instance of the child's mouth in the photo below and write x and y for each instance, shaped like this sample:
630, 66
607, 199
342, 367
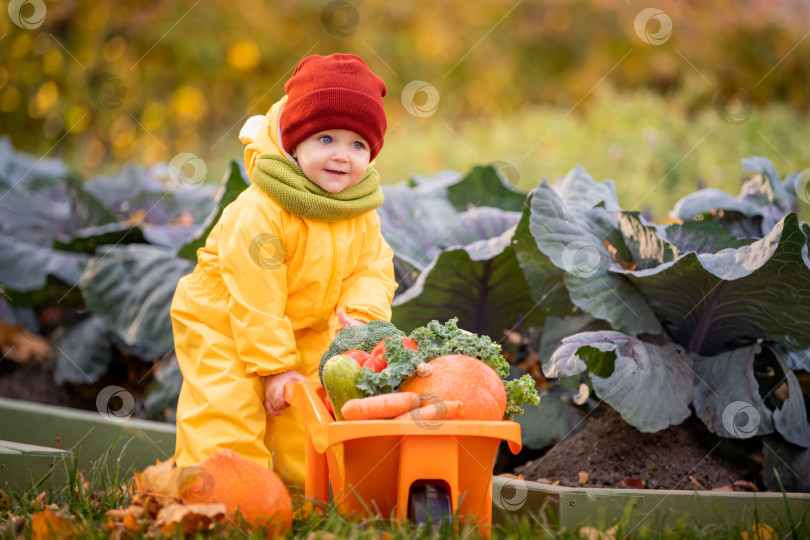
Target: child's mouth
335, 173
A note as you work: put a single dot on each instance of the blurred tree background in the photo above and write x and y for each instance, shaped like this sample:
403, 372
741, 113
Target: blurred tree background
659, 99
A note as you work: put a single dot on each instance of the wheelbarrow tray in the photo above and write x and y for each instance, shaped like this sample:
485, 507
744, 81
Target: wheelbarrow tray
372, 464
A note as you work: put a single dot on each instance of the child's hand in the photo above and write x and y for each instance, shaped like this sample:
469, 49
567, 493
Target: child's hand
274, 390
345, 321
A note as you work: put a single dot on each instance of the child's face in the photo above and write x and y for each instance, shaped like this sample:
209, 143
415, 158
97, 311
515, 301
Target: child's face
334, 159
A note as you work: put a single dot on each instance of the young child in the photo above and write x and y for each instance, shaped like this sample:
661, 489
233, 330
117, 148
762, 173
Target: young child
294, 258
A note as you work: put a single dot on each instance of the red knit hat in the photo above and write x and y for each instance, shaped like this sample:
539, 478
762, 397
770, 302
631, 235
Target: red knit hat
338, 91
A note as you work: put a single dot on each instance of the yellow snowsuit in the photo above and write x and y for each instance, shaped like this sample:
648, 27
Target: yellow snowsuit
251, 309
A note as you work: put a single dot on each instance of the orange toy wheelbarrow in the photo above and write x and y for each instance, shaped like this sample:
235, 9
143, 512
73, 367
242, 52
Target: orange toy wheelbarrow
452, 459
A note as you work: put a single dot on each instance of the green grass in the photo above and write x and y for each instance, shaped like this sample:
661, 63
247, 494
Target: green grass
656, 149
107, 488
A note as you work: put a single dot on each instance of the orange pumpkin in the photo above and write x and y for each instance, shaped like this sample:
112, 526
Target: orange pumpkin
258, 493
457, 377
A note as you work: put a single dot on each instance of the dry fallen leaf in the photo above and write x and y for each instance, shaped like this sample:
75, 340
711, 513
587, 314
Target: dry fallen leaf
583, 477
39, 501
136, 218
321, 535
49, 525
633, 483
591, 533
13, 525
582, 395
543, 480
20, 345
160, 478
531, 359
510, 475
192, 517
185, 218
695, 481
627, 265
760, 531
722, 488
746, 485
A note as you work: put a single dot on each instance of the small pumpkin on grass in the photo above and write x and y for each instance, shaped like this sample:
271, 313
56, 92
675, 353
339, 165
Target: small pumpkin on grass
256, 492
457, 377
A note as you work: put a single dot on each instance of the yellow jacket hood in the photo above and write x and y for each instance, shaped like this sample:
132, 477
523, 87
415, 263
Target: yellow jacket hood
261, 134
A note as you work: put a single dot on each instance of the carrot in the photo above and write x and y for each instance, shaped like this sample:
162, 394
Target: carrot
434, 410
380, 407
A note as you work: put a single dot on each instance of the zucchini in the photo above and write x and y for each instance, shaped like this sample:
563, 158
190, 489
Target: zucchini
340, 381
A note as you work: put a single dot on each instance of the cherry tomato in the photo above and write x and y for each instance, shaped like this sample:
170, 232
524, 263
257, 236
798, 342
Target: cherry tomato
379, 349
375, 364
358, 356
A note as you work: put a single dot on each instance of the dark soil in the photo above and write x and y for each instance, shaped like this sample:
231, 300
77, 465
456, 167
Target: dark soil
34, 382
610, 450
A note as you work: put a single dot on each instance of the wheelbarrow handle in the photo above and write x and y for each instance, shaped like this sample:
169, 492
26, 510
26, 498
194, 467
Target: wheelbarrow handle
303, 395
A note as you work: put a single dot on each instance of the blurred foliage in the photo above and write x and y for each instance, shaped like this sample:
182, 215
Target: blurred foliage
651, 146
103, 82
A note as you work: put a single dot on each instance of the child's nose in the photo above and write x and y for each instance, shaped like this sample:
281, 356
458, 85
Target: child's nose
341, 154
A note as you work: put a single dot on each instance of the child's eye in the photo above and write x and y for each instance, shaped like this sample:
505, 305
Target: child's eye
358, 145
326, 139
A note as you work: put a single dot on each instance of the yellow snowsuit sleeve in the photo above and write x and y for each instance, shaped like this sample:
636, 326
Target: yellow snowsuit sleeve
252, 253
367, 292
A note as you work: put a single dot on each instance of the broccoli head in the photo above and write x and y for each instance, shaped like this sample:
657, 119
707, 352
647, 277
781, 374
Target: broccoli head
362, 337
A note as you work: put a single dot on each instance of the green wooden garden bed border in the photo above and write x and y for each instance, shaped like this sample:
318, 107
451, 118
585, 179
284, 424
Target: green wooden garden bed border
600, 507
83, 436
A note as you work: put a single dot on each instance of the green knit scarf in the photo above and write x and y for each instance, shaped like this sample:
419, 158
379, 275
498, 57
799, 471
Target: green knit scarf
284, 181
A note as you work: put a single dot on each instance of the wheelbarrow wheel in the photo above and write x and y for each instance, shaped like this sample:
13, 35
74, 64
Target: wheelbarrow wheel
430, 504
